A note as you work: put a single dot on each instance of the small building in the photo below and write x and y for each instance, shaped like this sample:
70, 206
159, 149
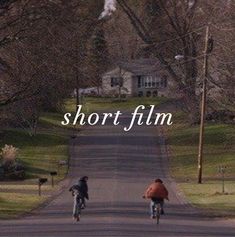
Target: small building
141, 77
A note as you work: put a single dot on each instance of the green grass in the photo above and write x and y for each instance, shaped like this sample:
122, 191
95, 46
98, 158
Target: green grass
219, 149
40, 155
91, 104
25, 186
51, 120
209, 196
12, 204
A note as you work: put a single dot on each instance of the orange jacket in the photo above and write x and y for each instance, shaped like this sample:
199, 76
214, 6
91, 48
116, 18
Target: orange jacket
156, 190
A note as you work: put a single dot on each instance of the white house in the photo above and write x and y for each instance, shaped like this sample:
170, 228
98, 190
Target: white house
142, 77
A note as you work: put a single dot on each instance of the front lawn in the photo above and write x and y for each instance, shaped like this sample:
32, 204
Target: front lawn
40, 155
91, 104
219, 150
14, 204
209, 196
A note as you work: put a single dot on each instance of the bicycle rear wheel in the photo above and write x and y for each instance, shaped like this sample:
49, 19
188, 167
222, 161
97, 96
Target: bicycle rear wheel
158, 213
77, 207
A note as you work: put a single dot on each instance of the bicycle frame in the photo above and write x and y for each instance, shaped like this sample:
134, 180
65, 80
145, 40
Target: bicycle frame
157, 211
77, 206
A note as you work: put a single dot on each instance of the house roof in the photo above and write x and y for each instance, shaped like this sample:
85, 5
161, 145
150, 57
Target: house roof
141, 66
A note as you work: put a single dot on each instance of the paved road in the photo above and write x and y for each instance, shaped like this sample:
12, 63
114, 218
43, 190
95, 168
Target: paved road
119, 166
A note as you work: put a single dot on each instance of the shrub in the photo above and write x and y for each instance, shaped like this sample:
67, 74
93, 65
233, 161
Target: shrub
9, 154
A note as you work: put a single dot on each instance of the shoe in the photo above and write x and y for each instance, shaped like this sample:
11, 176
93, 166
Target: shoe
162, 212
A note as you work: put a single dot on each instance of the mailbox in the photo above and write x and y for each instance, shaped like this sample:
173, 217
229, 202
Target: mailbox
54, 173
42, 181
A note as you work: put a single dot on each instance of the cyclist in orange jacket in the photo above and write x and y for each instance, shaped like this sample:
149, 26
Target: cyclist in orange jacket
157, 192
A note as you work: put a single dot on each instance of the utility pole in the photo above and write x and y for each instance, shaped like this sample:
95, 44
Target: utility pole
203, 106
77, 77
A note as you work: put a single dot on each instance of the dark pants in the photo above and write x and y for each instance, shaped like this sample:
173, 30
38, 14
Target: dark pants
83, 201
154, 202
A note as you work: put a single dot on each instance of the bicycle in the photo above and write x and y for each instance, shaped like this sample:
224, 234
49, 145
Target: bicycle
77, 206
157, 211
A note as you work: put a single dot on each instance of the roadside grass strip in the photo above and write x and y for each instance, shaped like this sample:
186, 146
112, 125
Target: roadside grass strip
12, 204
219, 150
209, 195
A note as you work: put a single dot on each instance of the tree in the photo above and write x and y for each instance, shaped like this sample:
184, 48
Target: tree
64, 29
222, 63
178, 18
99, 59
17, 19
76, 26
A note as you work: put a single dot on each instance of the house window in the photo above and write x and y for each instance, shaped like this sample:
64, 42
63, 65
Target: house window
145, 79
139, 81
142, 82
116, 81
150, 82
140, 94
